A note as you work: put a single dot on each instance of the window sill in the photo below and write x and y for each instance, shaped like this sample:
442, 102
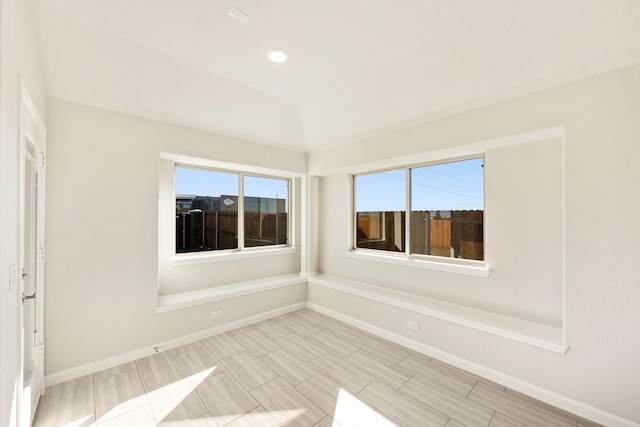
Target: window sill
471, 268
217, 293
229, 255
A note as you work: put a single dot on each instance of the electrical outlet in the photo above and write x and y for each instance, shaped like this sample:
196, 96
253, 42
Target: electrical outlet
216, 313
414, 326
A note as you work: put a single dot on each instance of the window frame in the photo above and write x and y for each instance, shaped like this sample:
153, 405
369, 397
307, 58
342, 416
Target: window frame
198, 257
382, 226
240, 211
242, 196
466, 266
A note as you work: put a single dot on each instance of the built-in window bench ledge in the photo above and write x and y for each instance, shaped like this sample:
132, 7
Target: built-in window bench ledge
217, 293
451, 265
537, 334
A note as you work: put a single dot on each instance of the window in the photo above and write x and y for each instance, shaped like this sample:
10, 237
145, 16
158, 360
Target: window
380, 202
210, 215
265, 211
446, 202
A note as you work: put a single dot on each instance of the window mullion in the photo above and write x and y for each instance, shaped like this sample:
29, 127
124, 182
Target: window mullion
291, 224
241, 211
407, 220
354, 231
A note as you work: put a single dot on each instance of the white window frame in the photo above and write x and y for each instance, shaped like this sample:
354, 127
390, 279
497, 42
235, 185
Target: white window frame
458, 265
354, 213
167, 232
241, 227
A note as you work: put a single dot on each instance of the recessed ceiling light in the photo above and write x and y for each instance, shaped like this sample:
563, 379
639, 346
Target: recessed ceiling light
277, 55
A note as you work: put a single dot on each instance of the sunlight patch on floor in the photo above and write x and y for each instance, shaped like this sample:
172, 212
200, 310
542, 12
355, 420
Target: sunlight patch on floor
259, 417
163, 400
202, 375
351, 411
80, 422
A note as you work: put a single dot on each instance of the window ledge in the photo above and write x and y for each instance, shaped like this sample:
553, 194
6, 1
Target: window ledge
533, 333
471, 268
229, 255
217, 293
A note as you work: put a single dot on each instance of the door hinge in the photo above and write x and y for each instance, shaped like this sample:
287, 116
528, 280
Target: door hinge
42, 160
36, 348
42, 254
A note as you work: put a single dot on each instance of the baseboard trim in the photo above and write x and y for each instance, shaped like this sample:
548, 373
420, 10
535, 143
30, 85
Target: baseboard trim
547, 396
130, 356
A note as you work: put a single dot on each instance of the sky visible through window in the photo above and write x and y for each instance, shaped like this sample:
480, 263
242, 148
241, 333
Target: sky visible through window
266, 187
449, 186
203, 182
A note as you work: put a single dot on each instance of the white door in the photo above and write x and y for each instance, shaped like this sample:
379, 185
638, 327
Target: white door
31, 260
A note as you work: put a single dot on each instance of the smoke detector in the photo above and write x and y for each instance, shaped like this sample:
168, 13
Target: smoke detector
238, 15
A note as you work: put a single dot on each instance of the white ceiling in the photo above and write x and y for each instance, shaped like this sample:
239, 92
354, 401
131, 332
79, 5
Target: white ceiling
356, 68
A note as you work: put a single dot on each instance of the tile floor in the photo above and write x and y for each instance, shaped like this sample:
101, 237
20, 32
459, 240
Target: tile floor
299, 369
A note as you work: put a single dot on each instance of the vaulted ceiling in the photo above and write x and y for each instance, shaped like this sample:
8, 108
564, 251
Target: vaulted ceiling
355, 68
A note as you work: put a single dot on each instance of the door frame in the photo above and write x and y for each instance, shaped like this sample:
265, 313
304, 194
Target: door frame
32, 131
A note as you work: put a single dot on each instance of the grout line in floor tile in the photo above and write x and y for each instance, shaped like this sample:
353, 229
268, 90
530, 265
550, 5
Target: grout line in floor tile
408, 379
472, 388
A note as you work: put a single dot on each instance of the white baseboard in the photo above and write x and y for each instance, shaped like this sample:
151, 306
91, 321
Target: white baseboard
550, 397
130, 356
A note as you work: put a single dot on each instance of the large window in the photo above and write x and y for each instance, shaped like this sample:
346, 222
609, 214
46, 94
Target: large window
446, 205
211, 216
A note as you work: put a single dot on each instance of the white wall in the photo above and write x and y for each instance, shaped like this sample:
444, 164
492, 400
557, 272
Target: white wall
601, 203
18, 57
102, 236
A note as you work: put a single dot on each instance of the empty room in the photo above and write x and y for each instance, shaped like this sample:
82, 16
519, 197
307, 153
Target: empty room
330, 213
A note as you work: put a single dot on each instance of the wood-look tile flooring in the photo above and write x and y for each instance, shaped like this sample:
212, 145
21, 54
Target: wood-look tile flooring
299, 369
